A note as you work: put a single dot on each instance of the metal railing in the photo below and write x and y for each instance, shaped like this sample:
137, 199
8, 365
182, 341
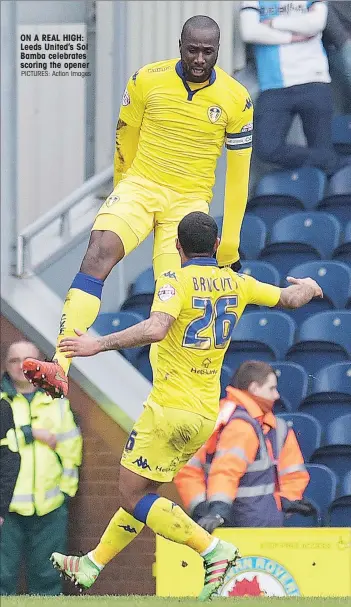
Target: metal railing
60, 212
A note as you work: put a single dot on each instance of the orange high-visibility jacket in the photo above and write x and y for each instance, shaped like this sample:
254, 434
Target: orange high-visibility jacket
231, 449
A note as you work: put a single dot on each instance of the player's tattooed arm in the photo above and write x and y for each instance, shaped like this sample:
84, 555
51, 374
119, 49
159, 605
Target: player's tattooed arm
299, 293
119, 127
147, 332
127, 140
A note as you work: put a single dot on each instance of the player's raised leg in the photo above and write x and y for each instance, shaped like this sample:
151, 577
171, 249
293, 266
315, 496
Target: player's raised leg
125, 219
80, 309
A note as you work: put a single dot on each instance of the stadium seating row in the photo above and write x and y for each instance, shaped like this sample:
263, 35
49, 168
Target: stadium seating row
295, 238
331, 499
304, 189
270, 335
334, 278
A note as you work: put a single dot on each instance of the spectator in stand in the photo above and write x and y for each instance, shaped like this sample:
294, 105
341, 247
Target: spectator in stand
294, 79
251, 472
337, 41
50, 445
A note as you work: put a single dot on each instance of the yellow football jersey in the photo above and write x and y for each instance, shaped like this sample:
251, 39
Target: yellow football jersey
206, 301
183, 125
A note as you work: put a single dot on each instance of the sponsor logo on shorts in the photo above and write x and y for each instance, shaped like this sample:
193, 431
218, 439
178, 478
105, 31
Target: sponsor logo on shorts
259, 576
142, 463
128, 528
166, 292
214, 113
125, 98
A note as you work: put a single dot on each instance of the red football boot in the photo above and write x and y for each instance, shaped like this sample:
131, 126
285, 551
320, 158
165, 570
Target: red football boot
46, 375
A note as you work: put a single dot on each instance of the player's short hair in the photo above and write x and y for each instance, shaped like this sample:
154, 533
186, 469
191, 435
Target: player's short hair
249, 371
197, 233
199, 22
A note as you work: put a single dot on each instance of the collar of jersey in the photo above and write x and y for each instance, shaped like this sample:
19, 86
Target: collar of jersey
179, 70
200, 261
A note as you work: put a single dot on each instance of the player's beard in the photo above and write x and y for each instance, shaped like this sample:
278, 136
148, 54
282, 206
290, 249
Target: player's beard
192, 77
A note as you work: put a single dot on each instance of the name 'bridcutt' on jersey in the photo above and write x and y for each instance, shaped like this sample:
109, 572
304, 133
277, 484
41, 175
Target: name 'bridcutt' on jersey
207, 302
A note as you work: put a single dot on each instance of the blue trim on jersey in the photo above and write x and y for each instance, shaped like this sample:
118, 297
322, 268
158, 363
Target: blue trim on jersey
239, 135
180, 73
267, 56
88, 284
143, 506
241, 146
200, 261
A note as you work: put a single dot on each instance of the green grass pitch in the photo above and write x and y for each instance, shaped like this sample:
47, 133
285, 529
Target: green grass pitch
151, 601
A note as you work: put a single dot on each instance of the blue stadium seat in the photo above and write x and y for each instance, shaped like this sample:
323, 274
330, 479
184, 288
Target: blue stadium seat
117, 321
142, 363
334, 379
330, 394
301, 237
141, 294
336, 453
343, 251
341, 134
226, 375
321, 491
283, 192
253, 235
308, 432
144, 283
338, 199
262, 271
340, 512
292, 385
335, 280
323, 338
340, 509
265, 333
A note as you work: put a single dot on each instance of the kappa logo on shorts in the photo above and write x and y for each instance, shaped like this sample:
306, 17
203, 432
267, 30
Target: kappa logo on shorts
112, 200
214, 113
142, 463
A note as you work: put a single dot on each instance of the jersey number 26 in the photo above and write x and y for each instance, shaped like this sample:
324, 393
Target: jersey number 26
219, 315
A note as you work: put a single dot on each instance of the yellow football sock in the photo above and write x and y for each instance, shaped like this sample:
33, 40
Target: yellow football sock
167, 519
80, 310
121, 530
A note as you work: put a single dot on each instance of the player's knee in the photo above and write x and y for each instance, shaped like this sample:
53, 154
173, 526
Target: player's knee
104, 251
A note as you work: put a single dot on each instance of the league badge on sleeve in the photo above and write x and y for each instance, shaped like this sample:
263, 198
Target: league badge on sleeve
125, 98
166, 292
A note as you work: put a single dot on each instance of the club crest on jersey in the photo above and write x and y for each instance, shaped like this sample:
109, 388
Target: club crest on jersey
214, 113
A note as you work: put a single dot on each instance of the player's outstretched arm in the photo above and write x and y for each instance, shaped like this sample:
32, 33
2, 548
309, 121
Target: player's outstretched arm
299, 293
147, 332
